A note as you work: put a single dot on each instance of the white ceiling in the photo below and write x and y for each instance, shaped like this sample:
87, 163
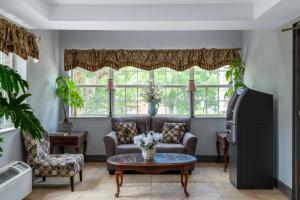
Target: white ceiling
150, 14
145, 2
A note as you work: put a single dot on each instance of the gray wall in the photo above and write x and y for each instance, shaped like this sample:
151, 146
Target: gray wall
41, 77
204, 128
268, 58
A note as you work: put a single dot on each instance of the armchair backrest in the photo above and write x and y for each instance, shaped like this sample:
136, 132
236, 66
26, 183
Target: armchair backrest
36, 149
142, 122
157, 122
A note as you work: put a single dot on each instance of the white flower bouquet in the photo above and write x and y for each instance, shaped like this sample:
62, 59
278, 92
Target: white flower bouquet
147, 143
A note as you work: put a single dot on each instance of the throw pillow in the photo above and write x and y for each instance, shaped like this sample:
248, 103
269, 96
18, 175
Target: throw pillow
173, 132
126, 132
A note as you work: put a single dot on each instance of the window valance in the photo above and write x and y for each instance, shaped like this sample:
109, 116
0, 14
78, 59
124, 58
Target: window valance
177, 59
17, 40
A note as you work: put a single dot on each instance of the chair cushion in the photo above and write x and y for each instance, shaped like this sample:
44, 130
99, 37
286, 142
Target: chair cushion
173, 132
62, 165
161, 148
126, 132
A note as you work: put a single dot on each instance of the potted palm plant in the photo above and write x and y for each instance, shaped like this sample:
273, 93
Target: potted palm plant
13, 106
235, 77
69, 96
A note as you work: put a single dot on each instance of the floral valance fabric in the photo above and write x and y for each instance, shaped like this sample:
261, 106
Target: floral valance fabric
17, 40
177, 59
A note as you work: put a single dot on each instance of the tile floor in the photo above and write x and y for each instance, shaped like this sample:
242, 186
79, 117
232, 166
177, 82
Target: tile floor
207, 182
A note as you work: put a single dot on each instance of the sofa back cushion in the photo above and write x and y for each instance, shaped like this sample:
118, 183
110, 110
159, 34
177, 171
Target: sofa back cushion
157, 122
126, 131
173, 133
142, 122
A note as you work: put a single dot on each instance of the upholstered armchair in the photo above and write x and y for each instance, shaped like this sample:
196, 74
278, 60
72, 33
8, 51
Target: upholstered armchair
45, 165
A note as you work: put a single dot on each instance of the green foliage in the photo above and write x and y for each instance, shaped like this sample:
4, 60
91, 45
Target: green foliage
234, 76
67, 92
13, 106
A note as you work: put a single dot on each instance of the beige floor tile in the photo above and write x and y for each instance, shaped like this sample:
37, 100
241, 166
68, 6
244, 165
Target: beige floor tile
208, 182
96, 196
166, 178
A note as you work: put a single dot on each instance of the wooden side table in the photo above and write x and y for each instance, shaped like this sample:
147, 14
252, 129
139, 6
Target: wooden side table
221, 139
74, 138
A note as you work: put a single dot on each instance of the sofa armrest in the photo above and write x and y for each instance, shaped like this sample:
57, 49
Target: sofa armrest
111, 142
190, 143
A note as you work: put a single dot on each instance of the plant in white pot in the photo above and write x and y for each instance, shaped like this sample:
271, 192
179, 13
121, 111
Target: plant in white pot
147, 143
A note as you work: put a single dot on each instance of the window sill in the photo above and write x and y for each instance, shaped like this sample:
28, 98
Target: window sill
106, 117
5, 130
209, 117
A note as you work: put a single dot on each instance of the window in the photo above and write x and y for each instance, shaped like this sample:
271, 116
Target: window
6, 60
129, 82
175, 99
211, 88
92, 87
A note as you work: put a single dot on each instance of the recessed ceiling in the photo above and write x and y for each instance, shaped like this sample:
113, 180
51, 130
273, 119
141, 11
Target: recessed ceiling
150, 14
147, 2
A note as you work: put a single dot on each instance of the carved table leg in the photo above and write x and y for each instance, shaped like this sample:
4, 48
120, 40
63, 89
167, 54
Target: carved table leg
118, 175
182, 184
186, 179
121, 176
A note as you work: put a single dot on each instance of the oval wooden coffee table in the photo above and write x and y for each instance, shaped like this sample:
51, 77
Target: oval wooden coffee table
162, 162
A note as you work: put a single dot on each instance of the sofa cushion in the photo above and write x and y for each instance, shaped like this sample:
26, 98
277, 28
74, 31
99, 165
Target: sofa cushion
160, 148
157, 122
126, 132
170, 148
173, 132
127, 148
142, 122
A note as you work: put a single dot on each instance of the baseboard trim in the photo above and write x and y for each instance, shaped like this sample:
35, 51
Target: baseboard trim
285, 189
200, 158
95, 158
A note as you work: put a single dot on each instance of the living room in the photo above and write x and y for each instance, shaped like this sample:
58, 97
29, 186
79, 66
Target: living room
182, 49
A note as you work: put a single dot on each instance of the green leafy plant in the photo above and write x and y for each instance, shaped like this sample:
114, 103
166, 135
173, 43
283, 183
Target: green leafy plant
68, 94
13, 105
234, 76
152, 93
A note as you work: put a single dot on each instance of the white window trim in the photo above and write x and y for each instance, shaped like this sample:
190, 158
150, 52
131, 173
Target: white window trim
151, 77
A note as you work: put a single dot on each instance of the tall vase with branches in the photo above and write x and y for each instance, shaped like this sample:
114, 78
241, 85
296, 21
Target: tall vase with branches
235, 77
13, 106
69, 96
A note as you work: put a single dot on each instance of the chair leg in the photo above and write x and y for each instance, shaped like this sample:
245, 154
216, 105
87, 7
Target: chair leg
44, 178
72, 183
80, 175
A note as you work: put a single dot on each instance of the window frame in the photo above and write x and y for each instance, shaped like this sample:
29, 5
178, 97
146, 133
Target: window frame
4, 123
70, 109
112, 103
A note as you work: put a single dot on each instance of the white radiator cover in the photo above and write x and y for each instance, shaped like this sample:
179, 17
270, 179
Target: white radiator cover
20, 185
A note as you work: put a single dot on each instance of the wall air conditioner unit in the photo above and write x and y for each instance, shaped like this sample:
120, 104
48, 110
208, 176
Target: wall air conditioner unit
15, 181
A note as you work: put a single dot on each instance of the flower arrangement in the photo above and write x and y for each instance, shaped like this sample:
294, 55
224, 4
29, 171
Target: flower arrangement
148, 141
152, 94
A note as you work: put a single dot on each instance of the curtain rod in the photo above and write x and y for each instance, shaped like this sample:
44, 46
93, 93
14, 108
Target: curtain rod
292, 28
